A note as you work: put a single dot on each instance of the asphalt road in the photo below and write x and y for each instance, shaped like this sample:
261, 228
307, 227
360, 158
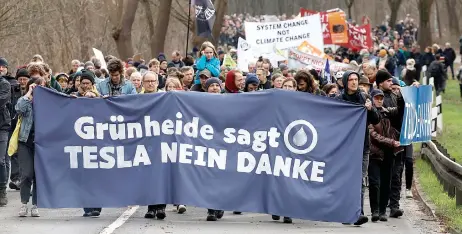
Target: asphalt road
131, 220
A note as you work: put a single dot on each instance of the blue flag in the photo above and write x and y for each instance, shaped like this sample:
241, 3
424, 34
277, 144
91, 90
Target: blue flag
205, 17
215, 151
327, 76
417, 114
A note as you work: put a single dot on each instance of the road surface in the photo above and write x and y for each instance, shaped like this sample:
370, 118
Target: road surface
130, 220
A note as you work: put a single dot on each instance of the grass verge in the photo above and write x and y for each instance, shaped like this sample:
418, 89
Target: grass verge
451, 139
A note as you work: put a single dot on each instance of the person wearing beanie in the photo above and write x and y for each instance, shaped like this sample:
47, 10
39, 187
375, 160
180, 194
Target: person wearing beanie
284, 69
353, 94
251, 83
213, 85
87, 84
384, 142
63, 80
3, 66
161, 57
395, 163
386, 62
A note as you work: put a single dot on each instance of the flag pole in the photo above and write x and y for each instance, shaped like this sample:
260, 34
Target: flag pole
189, 21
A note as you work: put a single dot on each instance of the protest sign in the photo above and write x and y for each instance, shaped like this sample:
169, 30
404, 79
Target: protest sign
338, 28
324, 15
229, 62
417, 117
186, 148
248, 53
285, 34
359, 37
99, 55
299, 60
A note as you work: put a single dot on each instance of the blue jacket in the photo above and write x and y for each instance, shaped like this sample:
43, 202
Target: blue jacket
24, 109
213, 65
104, 88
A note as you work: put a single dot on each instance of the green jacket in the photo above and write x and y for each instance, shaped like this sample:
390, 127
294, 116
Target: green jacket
55, 85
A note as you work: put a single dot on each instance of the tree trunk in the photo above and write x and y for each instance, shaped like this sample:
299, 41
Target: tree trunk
84, 34
163, 18
452, 17
150, 21
394, 7
349, 4
425, 33
123, 33
438, 20
221, 6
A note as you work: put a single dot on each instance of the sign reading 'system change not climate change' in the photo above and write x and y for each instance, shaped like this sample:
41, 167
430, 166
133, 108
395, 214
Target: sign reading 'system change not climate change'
286, 34
119, 151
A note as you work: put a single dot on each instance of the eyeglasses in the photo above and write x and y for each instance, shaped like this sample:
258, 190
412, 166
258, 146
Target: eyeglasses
150, 81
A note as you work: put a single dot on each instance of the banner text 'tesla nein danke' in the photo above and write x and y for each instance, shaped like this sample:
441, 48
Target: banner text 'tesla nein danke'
277, 152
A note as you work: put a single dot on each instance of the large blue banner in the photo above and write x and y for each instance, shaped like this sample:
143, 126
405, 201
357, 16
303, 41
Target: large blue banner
417, 117
277, 152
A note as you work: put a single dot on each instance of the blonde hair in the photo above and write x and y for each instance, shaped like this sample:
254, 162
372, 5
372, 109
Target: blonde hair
153, 62
177, 83
130, 71
34, 68
208, 44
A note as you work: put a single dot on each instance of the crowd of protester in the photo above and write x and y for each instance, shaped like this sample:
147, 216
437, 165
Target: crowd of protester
376, 85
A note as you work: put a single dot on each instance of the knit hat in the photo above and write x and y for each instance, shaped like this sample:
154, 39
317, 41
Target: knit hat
89, 63
211, 81
381, 76
62, 76
283, 67
88, 75
376, 92
161, 57
251, 79
22, 73
382, 53
3, 62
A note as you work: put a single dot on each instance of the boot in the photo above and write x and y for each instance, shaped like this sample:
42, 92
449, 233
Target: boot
361, 220
375, 216
395, 213
160, 214
212, 215
3, 198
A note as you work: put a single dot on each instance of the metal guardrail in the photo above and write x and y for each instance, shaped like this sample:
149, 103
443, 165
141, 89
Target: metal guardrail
448, 172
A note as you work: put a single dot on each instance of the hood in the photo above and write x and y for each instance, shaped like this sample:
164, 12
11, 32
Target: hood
230, 83
345, 78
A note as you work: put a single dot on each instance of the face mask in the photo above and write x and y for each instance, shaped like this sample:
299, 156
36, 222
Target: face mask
332, 95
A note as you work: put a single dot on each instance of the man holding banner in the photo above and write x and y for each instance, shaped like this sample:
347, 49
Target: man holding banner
353, 94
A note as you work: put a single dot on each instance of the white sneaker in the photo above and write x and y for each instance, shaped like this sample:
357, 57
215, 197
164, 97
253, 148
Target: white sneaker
34, 212
409, 193
23, 210
181, 209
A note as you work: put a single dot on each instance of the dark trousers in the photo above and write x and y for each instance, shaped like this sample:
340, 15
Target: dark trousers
408, 165
460, 87
396, 182
156, 207
3, 162
379, 183
26, 163
365, 165
452, 70
88, 210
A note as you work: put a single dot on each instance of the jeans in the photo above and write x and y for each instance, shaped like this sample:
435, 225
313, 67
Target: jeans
3, 160
396, 182
12, 163
26, 163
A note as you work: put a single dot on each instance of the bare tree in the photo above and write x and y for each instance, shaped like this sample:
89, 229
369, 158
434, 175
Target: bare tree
221, 6
394, 8
122, 16
349, 4
452, 16
149, 19
425, 33
438, 20
163, 19
10, 13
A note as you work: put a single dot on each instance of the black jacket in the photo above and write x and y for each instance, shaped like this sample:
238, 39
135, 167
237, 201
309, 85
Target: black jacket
449, 56
15, 95
373, 116
392, 100
5, 98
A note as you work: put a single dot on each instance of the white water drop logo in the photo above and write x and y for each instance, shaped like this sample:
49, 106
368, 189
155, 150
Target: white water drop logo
300, 138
